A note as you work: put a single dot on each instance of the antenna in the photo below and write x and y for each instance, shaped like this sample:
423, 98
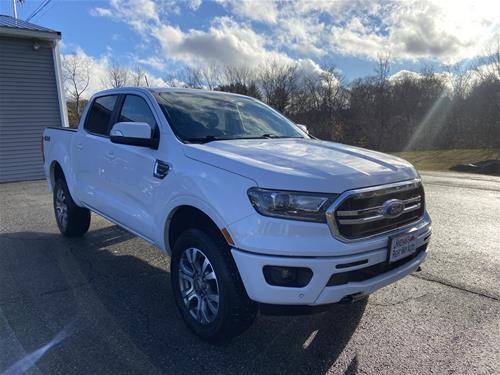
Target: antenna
14, 9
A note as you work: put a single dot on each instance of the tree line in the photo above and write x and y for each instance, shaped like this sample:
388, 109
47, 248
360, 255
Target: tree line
459, 108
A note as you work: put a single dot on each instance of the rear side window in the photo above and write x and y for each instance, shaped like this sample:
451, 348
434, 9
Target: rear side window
135, 109
100, 115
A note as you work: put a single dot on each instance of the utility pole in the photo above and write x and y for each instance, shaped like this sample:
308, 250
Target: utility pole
14, 10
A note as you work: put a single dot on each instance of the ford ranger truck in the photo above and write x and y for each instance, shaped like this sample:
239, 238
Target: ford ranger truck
251, 209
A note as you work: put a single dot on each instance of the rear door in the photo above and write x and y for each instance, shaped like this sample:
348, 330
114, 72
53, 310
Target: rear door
89, 152
129, 171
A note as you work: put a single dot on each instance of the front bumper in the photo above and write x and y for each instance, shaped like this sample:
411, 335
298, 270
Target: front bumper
316, 292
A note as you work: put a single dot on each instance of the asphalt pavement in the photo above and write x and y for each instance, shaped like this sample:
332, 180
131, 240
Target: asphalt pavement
103, 304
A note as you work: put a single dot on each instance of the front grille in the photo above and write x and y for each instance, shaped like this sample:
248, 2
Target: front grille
371, 271
361, 213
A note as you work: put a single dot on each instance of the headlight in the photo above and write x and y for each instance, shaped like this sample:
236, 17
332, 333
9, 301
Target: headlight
291, 205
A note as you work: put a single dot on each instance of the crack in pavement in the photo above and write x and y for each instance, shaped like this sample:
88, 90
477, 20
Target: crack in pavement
433, 279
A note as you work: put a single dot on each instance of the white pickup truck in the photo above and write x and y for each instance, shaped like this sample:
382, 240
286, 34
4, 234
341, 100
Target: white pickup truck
252, 210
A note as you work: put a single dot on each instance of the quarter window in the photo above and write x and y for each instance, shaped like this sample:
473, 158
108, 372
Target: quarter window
135, 109
99, 115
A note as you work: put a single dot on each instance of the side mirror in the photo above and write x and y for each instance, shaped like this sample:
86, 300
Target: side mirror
134, 134
303, 128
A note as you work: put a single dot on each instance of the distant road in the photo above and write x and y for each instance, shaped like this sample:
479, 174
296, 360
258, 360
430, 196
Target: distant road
465, 180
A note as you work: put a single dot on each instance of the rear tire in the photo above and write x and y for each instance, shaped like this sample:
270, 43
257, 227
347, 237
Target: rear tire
73, 221
207, 287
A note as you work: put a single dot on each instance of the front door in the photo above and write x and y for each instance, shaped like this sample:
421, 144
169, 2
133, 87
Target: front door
130, 172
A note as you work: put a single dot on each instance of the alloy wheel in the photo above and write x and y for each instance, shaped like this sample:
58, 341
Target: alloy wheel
61, 208
198, 285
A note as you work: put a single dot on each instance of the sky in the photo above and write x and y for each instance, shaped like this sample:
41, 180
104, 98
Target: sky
162, 36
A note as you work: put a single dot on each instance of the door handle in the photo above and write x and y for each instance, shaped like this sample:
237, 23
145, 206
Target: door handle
110, 156
79, 146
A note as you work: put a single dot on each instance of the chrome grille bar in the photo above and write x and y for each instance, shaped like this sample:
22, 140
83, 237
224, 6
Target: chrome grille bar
377, 217
377, 209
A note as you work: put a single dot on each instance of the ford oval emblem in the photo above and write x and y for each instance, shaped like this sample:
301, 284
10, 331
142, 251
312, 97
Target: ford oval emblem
393, 208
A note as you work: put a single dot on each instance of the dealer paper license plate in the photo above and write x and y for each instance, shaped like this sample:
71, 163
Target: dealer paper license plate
402, 246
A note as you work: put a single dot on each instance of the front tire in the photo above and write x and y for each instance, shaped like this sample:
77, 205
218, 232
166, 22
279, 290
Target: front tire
207, 287
73, 221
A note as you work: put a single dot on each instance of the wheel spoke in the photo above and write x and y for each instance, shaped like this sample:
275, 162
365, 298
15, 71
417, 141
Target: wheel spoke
198, 310
186, 276
185, 270
210, 276
203, 308
213, 303
205, 266
190, 256
188, 294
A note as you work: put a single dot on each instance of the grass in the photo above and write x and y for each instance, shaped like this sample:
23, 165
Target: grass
442, 160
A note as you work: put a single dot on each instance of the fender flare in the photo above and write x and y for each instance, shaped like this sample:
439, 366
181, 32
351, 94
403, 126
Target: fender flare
169, 210
67, 176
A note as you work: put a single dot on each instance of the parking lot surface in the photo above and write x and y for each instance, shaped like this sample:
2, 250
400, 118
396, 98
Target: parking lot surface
103, 303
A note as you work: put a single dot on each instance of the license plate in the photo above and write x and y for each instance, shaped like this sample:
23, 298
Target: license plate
402, 246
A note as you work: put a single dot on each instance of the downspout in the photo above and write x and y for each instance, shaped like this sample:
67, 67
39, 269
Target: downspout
60, 84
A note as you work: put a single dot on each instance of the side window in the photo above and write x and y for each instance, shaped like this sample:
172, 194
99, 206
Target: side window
99, 115
135, 109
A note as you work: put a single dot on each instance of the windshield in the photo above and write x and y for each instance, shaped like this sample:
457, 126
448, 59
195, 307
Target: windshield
204, 117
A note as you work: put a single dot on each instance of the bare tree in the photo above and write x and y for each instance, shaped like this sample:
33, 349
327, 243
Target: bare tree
211, 76
319, 100
76, 72
278, 83
494, 59
488, 68
118, 76
193, 77
138, 76
172, 81
460, 80
239, 75
382, 71
240, 80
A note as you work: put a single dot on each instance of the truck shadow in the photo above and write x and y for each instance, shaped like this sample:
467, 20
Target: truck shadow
126, 320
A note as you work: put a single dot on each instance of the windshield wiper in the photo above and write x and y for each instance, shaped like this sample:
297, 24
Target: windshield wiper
211, 138
271, 136
208, 138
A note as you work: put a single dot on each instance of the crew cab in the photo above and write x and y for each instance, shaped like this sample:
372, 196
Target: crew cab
252, 209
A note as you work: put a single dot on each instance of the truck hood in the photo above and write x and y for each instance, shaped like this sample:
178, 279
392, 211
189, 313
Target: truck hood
303, 164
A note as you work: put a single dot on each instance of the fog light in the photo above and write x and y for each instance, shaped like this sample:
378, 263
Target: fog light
293, 277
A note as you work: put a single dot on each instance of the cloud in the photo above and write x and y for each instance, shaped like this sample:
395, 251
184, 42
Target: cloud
154, 62
302, 36
404, 74
264, 11
140, 14
444, 31
194, 4
225, 42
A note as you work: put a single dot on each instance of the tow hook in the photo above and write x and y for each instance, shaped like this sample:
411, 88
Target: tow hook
352, 298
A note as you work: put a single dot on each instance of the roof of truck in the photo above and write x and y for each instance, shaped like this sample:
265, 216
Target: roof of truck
121, 90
